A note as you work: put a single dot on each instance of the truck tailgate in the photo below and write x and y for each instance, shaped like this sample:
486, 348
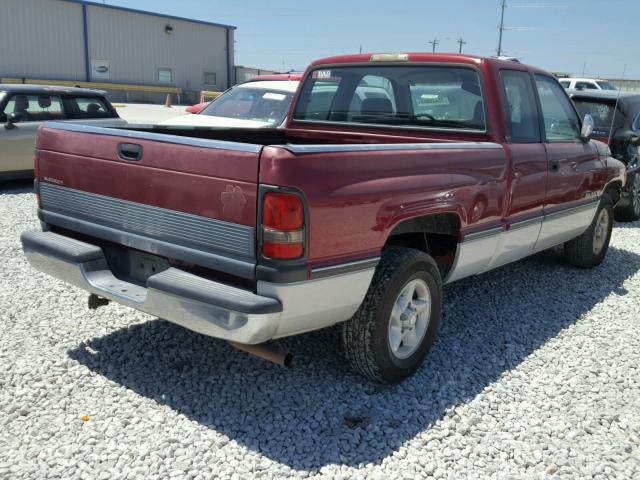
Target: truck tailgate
186, 198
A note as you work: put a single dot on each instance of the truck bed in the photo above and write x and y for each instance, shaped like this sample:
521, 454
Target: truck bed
192, 196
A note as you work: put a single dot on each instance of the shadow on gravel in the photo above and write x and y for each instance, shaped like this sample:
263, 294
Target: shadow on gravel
14, 187
318, 412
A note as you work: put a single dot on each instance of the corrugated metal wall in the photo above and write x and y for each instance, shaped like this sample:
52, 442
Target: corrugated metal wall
42, 39
136, 46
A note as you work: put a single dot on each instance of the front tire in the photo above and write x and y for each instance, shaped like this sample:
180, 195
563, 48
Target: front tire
392, 331
630, 212
589, 249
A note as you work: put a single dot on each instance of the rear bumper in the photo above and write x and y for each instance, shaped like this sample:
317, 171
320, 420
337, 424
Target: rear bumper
202, 305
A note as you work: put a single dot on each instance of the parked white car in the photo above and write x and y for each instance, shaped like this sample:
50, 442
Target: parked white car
259, 103
586, 84
23, 108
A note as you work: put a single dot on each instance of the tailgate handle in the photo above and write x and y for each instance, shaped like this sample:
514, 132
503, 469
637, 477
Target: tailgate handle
130, 151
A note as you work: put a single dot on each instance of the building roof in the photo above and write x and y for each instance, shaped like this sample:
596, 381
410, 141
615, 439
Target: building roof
145, 12
46, 89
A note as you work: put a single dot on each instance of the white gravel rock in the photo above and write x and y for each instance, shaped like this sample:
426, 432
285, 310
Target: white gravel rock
536, 374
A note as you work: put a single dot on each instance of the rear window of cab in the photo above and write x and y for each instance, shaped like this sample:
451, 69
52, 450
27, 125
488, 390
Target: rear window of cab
431, 97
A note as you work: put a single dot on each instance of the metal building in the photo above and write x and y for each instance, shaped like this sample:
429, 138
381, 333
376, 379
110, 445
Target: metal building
243, 74
85, 41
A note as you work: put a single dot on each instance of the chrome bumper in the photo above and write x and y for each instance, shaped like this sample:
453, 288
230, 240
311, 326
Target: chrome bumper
199, 304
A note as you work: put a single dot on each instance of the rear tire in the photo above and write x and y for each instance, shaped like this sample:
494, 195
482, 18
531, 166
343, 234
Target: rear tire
392, 331
589, 249
631, 212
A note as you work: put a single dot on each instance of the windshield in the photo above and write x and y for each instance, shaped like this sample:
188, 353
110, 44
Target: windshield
606, 86
257, 104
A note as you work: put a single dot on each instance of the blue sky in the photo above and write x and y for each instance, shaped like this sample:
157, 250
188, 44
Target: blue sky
559, 35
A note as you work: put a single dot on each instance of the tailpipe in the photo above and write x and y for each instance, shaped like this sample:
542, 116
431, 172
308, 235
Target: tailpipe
266, 353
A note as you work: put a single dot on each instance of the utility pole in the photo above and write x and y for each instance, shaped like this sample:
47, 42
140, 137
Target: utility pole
434, 43
503, 6
461, 42
360, 48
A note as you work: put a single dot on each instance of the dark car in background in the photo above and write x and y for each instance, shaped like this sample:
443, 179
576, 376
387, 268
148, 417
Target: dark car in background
617, 122
23, 108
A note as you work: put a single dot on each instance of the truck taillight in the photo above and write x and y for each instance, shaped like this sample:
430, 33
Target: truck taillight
282, 226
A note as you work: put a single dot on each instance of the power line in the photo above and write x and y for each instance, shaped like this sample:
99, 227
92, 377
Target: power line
461, 42
503, 6
434, 43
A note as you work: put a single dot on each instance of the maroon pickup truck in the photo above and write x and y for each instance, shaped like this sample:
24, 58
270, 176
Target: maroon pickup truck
396, 174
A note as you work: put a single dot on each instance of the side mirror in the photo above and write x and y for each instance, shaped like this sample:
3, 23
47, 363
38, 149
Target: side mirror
12, 119
587, 128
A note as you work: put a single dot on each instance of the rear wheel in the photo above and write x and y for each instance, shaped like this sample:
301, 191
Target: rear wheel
391, 333
589, 249
630, 212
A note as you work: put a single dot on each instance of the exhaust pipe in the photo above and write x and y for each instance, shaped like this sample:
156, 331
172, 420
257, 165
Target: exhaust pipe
266, 353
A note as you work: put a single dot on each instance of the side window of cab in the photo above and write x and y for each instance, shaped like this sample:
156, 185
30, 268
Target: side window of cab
522, 113
561, 122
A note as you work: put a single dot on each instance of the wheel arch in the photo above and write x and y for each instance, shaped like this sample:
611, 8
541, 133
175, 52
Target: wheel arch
437, 234
614, 190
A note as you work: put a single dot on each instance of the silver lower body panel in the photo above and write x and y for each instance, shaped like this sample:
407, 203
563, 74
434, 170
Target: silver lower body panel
199, 304
316, 304
499, 247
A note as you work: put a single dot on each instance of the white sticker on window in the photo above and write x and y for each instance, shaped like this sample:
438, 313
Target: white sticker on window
274, 96
322, 74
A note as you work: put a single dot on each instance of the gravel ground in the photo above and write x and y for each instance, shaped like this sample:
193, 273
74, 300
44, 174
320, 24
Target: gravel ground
535, 375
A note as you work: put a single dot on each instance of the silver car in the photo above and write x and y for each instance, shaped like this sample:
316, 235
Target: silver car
24, 107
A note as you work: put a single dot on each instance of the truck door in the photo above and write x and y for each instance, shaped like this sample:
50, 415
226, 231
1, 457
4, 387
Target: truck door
528, 177
570, 202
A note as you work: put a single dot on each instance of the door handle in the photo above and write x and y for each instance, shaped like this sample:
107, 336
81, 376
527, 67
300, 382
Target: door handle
554, 166
574, 165
130, 151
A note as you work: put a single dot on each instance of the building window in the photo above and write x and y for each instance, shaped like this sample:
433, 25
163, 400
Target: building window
210, 78
165, 75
